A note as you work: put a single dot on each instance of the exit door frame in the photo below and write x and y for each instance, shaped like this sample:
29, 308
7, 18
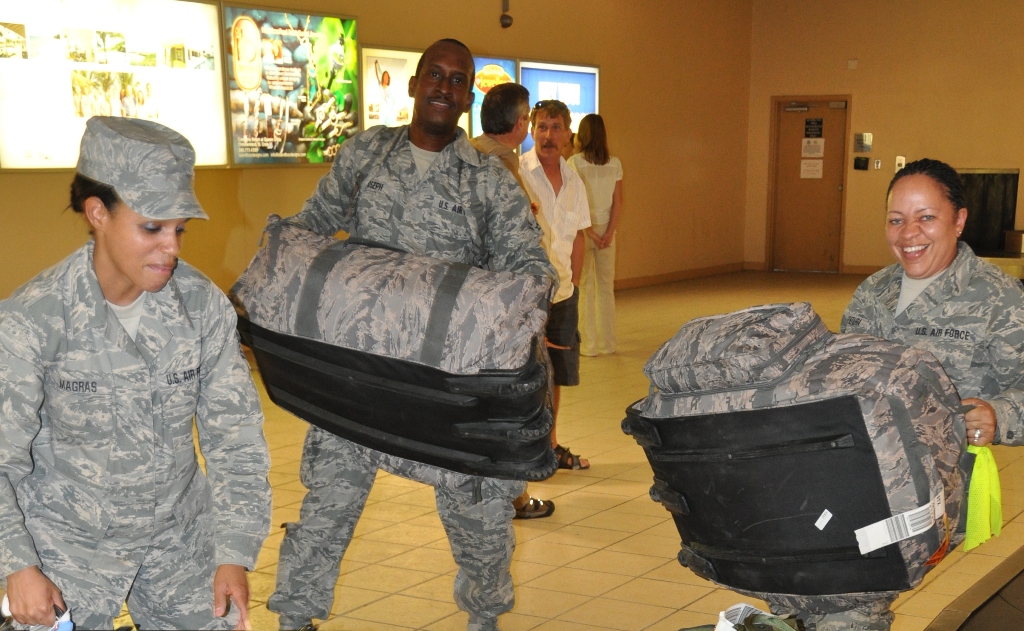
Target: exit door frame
773, 139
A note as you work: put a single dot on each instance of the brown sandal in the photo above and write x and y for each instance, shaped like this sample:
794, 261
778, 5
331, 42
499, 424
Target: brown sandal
535, 509
569, 460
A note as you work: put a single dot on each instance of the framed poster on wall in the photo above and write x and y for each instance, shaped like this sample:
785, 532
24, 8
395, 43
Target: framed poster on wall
576, 86
489, 73
293, 85
386, 75
62, 62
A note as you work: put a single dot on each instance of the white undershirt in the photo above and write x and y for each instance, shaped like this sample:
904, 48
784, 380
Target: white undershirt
423, 159
129, 315
911, 288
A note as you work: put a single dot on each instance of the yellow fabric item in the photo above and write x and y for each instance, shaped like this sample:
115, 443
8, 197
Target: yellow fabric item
985, 503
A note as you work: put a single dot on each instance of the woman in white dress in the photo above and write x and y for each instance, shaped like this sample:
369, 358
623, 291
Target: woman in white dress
602, 174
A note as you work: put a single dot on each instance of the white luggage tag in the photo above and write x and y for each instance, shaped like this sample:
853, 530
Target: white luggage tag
900, 527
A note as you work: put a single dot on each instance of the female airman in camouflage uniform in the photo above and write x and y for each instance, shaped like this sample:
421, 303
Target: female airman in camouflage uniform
942, 298
105, 359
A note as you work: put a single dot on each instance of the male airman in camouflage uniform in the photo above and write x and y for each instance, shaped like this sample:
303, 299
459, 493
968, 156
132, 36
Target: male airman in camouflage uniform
423, 189
971, 318
101, 494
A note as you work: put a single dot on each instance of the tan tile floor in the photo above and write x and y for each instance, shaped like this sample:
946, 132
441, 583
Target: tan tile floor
606, 558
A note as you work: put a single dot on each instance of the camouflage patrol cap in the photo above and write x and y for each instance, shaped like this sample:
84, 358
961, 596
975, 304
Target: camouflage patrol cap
149, 165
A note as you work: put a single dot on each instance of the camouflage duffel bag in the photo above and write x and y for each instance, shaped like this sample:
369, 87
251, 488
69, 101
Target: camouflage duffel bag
798, 461
437, 362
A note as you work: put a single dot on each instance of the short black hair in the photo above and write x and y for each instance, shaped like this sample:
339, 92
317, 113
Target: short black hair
82, 188
449, 40
939, 171
502, 107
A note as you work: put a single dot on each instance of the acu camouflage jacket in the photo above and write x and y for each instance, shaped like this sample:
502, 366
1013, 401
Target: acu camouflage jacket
467, 208
971, 318
96, 429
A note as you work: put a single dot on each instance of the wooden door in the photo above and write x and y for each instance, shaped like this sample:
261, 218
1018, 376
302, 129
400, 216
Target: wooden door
810, 146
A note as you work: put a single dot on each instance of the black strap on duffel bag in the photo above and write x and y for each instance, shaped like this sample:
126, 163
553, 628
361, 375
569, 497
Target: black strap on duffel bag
746, 490
493, 423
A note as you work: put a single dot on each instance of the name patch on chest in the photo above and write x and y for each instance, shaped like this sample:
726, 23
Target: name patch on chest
77, 386
185, 376
374, 185
948, 333
452, 207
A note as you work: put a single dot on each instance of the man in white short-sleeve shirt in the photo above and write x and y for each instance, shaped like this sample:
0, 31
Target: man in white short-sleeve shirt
563, 203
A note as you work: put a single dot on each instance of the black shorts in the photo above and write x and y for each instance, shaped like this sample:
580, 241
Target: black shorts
562, 329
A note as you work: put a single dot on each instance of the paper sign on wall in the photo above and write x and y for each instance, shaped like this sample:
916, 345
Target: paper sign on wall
811, 169
813, 148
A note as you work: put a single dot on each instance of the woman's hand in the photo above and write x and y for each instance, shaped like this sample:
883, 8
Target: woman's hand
230, 583
32, 596
606, 240
983, 418
593, 236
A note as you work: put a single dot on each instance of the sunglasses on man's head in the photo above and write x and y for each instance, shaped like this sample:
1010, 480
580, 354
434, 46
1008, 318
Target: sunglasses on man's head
542, 104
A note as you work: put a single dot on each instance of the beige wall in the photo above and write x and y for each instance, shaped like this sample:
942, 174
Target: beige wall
935, 78
674, 92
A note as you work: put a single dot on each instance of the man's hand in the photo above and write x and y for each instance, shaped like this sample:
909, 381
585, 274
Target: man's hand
32, 596
230, 583
576, 259
550, 344
982, 417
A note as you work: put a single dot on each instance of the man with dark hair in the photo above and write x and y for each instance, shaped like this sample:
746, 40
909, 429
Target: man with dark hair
420, 188
450, 41
562, 197
505, 117
504, 106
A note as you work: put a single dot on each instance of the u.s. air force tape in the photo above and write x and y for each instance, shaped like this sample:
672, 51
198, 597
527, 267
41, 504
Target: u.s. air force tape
900, 527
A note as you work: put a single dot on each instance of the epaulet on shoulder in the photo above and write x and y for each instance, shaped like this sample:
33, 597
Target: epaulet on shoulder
882, 275
374, 138
493, 163
996, 276
195, 287
371, 138
372, 132
469, 154
189, 278
187, 271
46, 284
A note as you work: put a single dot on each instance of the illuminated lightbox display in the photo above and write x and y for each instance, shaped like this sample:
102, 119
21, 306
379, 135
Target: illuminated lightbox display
576, 86
62, 62
489, 73
386, 99
386, 75
293, 85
